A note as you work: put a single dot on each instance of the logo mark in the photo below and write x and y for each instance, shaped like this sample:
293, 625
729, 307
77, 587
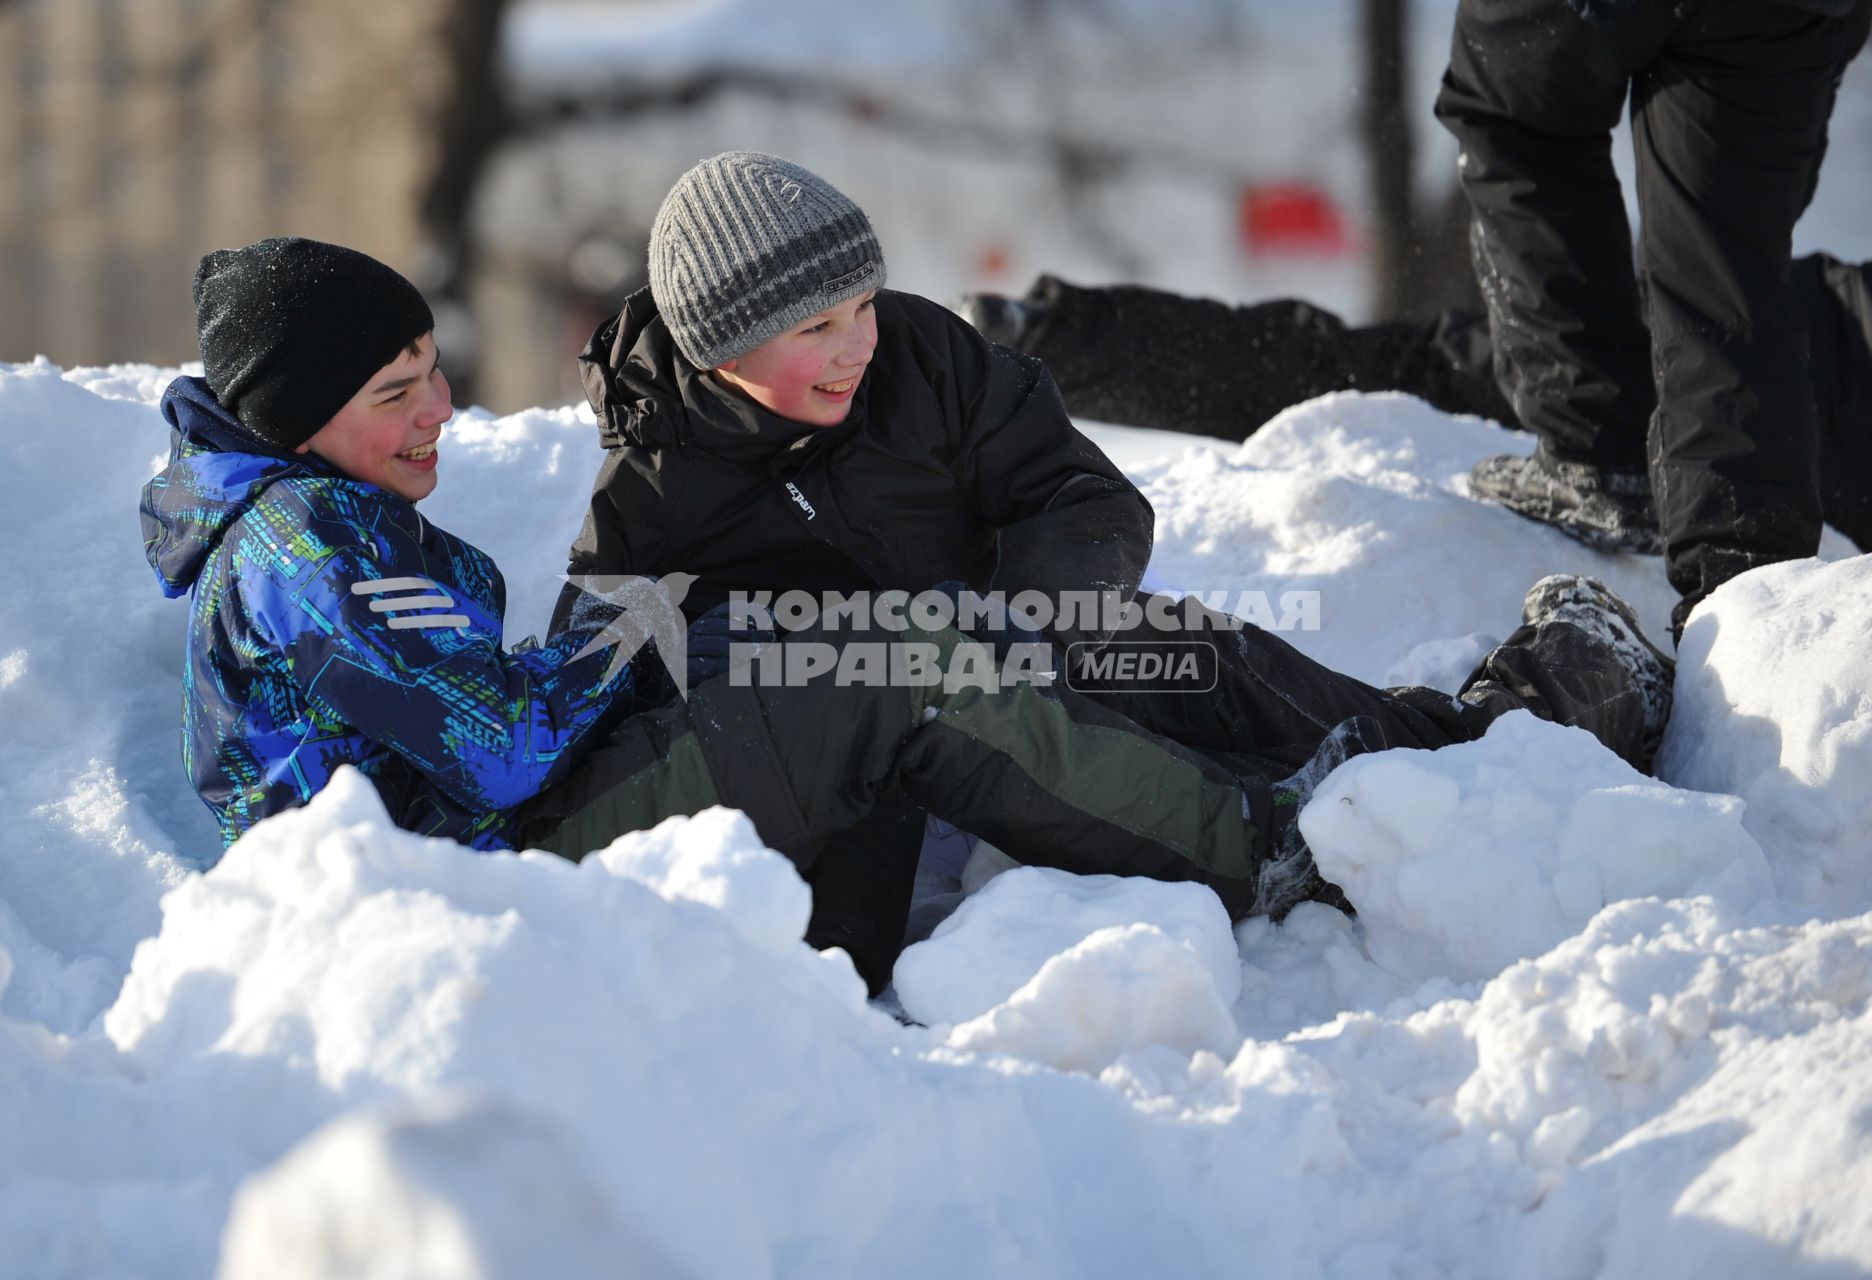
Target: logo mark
800, 499
646, 609
838, 284
1131, 666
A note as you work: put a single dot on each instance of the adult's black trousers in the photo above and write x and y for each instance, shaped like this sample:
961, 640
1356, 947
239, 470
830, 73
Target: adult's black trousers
1729, 106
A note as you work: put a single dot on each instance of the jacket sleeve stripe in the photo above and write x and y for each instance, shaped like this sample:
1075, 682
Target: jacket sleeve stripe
429, 620
413, 602
378, 585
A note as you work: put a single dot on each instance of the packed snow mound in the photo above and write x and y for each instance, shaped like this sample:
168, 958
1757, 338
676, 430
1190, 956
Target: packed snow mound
1774, 704
458, 1188
348, 1034
1124, 989
999, 939
1464, 860
1363, 498
1689, 1093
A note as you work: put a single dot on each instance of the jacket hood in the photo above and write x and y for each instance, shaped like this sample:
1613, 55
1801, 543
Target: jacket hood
647, 395
215, 473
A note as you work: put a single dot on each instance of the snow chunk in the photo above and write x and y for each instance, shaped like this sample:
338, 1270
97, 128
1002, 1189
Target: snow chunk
1463, 860
1123, 989
1774, 704
997, 941
453, 1187
1374, 435
716, 858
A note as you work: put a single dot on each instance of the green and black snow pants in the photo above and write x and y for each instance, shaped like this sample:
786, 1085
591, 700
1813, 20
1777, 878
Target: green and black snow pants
1046, 775
1170, 786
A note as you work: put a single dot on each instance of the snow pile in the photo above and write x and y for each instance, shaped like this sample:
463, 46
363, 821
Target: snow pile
1075, 971
999, 939
1774, 697
1363, 498
331, 961
1464, 860
455, 1187
358, 1018
1584, 1024
1690, 1092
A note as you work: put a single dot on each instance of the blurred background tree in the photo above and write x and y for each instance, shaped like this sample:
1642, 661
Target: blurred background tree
508, 154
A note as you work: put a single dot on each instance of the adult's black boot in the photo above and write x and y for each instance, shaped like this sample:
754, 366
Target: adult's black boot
1608, 510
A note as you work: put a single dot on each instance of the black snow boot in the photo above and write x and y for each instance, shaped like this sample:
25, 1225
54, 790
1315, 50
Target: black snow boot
1589, 605
1290, 876
1605, 509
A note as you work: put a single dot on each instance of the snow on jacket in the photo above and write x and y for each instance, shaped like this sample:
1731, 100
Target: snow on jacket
331, 625
957, 461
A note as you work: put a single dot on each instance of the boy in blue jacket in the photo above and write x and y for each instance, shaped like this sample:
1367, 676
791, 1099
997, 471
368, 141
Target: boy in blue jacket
331, 625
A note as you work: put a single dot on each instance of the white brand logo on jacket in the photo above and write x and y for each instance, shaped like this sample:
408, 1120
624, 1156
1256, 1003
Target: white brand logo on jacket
800, 499
432, 597
634, 610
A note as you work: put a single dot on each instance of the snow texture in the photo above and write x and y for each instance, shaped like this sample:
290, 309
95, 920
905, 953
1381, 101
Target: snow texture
1586, 1023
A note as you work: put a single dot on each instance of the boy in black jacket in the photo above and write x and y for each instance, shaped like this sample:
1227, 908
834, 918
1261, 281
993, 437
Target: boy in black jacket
777, 421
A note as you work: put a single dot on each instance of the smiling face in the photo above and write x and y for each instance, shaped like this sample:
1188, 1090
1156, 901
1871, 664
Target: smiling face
387, 433
810, 372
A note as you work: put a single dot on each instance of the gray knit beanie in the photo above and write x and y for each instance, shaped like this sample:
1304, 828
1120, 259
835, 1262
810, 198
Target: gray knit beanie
748, 245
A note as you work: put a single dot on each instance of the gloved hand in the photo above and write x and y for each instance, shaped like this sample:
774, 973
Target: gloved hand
1601, 13
710, 639
592, 612
994, 624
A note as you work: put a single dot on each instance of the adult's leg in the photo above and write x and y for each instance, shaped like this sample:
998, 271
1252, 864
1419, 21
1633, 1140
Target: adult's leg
1532, 94
1148, 358
1836, 299
1730, 123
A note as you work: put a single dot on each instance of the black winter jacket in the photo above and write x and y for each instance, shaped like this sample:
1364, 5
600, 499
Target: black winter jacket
957, 461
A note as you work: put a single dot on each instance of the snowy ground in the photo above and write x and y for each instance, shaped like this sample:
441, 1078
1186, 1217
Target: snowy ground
1587, 1024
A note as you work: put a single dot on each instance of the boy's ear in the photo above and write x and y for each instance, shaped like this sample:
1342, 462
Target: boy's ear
728, 366
304, 448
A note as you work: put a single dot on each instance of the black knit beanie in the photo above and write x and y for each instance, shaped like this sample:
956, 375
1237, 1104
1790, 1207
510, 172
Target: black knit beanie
290, 329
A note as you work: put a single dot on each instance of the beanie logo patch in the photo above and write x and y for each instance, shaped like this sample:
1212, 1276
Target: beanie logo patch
839, 284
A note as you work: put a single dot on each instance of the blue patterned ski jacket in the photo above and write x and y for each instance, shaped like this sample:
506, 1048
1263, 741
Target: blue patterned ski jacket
331, 624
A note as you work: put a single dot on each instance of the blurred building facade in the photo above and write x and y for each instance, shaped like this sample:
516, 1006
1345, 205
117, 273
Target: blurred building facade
135, 135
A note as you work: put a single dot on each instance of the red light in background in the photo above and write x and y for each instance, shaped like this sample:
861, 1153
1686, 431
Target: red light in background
1291, 219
